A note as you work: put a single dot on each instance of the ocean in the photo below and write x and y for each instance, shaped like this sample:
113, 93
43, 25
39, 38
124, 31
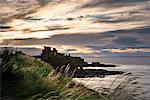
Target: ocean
140, 72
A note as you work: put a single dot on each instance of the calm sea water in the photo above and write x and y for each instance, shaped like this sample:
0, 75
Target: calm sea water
142, 72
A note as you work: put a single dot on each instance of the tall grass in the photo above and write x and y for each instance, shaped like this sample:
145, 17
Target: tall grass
34, 79
120, 87
125, 89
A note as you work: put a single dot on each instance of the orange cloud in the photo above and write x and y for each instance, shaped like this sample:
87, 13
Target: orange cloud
129, 50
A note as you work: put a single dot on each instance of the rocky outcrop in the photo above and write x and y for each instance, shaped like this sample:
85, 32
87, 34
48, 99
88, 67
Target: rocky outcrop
60, 62
57, 60
95, 73
97, 64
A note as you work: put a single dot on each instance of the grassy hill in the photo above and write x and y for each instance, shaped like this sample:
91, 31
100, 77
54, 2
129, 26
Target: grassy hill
26, 78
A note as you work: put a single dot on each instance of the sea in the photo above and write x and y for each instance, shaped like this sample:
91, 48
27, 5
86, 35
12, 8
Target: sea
138, 72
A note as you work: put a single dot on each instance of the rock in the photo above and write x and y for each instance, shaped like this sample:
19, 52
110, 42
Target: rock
97, 64
95, 73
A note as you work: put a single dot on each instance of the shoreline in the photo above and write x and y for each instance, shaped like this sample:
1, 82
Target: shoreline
94, 73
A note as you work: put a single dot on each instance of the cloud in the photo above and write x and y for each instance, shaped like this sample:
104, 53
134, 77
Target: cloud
5, 27
70, 50
127, 41
47, 28
120, 38
110, 3
129, 50
26, 50
13, 9
83, 25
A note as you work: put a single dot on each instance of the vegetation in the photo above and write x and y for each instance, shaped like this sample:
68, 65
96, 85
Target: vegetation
24, 77
27, 78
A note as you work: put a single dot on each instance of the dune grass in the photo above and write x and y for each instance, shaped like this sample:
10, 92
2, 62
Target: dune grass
125, 89
27, 78
32, 78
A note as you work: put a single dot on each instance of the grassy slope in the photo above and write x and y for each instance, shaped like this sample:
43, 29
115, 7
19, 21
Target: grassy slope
34, 79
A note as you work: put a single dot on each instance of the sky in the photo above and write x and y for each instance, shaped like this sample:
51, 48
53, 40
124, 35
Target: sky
86, 28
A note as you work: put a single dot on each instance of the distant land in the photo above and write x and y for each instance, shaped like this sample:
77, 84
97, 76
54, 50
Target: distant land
59, 59
62, 62
117, 60
76, 64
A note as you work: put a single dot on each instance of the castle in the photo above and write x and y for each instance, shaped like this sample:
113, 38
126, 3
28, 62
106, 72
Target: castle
56, 59
49, 52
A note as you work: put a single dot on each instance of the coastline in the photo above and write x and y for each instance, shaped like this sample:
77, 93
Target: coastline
40, 68
94, 73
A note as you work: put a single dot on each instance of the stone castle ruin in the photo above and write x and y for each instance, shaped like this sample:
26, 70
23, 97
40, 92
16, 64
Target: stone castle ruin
57, 60
49, 52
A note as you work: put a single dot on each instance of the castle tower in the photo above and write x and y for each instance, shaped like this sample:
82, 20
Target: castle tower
54, 52
47, 52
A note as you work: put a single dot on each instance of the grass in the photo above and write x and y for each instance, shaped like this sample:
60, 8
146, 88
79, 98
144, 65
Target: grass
120, 87
34, 79
125, 89
28, 78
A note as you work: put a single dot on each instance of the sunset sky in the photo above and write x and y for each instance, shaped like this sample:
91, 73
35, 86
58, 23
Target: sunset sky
86, 28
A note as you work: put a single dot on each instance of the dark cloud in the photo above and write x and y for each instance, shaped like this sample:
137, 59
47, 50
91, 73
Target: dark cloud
68, 50
25, 41
108, 18
45, 2
103, 3
140, 47
21, 8
111, 39
64, 39
7, 17
48, 28
110, 3
139, 30
28, 50
127, 41
4, 28
33, 19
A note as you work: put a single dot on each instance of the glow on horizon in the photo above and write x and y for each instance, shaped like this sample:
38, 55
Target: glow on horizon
129, 50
